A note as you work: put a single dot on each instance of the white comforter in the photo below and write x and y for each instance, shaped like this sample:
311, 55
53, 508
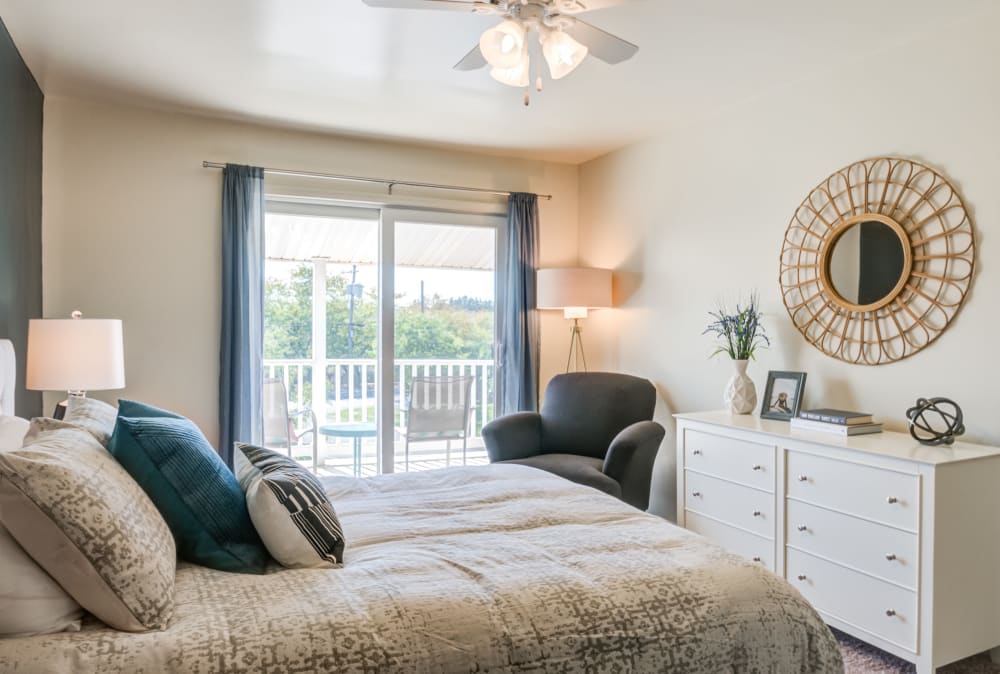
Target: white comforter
487, 569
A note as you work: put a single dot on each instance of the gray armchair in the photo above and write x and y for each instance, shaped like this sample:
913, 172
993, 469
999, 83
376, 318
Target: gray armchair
595, 428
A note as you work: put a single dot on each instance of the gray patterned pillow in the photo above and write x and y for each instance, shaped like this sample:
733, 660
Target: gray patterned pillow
83, 519
95, 416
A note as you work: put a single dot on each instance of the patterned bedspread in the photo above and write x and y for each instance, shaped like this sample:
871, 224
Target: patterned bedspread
488, 569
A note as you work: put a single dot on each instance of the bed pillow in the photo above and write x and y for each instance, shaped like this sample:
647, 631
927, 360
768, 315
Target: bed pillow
95, 416
193, 489
292, 514
82, 519
12, 431
31, 602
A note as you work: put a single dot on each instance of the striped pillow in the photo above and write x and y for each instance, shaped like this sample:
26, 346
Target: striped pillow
289, 509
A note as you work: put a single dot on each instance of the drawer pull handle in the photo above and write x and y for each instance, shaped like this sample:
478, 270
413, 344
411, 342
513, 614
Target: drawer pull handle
803, 478
696, 494
697, 452
890, 557
891, 499
756, 559
758, 467
801, 576
757, 513
890, 613
802, 527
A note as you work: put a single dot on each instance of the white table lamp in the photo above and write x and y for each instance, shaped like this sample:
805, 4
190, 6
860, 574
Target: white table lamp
575, 290
75, 355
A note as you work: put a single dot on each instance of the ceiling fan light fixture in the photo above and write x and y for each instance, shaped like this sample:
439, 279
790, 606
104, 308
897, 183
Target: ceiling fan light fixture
562, 53
502, 45
518, 76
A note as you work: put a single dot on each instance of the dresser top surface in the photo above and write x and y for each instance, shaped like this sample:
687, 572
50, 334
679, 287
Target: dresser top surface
887, 443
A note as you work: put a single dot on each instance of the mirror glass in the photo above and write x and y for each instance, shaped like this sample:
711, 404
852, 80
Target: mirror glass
866, 263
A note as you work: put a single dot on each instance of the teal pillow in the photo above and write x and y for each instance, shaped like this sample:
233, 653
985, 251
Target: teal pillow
131, 408
192, 488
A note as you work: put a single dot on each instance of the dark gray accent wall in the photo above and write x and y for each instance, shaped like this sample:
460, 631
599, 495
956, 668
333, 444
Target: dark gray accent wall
20, 209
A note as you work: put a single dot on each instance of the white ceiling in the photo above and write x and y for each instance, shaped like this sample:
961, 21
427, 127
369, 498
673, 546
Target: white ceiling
341, 66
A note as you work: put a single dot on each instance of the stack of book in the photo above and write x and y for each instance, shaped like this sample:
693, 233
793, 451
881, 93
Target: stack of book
838, 422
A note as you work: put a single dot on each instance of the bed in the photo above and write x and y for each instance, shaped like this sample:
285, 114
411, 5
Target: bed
500, 568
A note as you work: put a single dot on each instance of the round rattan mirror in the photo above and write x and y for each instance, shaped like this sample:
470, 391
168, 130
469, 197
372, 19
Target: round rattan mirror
877, 261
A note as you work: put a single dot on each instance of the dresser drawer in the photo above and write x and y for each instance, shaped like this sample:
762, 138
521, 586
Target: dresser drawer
749, 463
882, 609
876, 549
730, 503
878, 494
739, 542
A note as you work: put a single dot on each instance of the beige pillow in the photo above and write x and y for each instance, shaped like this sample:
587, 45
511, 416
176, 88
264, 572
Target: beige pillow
90, 414
80, 516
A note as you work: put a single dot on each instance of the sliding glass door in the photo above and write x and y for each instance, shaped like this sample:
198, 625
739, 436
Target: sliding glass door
382, 323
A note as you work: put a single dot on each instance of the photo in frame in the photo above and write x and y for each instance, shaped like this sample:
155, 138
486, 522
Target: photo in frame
782, 398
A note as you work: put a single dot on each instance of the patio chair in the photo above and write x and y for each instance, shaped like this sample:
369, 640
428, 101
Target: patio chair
439, 409
279, 425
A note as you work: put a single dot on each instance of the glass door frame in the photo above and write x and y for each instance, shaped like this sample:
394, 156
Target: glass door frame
385, 369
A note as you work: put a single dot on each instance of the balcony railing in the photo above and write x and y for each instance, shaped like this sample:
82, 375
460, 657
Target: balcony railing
350, 386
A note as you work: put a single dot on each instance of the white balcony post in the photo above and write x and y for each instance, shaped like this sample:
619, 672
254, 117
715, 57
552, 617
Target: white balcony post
319, 339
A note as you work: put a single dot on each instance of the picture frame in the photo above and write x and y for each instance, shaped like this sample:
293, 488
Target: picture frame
782, 397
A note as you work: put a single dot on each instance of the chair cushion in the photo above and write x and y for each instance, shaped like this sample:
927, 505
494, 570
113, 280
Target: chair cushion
193, 489
579, 469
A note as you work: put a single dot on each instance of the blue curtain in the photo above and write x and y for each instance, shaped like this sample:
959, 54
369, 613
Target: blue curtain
241, 373
517, 374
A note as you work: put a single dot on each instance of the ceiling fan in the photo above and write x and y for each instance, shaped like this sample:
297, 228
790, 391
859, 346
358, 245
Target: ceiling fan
565, 40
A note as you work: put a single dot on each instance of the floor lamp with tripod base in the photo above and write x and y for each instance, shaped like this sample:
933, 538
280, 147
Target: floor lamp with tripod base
575, 290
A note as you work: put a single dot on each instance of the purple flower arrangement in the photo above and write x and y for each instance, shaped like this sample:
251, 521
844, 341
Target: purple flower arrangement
741, 332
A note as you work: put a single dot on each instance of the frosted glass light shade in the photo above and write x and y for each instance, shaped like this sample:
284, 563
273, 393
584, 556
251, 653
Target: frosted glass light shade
562, 53
518, 76
574, 290
75, 354
502, 45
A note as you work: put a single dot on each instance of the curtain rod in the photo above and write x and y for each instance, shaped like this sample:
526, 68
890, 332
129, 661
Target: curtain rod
379, 181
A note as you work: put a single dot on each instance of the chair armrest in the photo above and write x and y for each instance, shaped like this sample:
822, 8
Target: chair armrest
630, 460
514, 436
312, 419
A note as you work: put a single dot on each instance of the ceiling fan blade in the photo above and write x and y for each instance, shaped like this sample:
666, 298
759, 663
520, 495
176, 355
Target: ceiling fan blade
447, 5
601, 44
578, 6
474, 60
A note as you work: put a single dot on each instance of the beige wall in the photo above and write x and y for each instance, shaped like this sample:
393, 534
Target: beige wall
700, 214
131, 226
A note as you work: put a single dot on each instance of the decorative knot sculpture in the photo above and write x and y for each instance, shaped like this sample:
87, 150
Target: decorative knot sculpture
927, 433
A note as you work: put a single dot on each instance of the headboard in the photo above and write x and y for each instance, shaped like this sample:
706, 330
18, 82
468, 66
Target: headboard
8, 370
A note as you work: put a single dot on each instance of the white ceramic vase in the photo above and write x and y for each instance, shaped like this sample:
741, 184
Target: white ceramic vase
741, 396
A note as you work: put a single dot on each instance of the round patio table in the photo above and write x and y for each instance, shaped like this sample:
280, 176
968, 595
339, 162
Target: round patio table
355, 431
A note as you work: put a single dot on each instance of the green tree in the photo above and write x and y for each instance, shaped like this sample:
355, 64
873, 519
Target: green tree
454, 328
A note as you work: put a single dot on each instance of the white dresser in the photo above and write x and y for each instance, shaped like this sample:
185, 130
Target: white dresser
893, 542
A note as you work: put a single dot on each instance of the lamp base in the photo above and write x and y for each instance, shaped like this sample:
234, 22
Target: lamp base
576, 353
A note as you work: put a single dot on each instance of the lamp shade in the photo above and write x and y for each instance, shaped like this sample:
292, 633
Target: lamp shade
502, 45
75, 354
574, 289
516, 76
562, 53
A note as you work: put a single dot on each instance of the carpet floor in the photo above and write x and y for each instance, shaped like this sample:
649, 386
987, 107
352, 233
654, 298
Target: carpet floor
860, 658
